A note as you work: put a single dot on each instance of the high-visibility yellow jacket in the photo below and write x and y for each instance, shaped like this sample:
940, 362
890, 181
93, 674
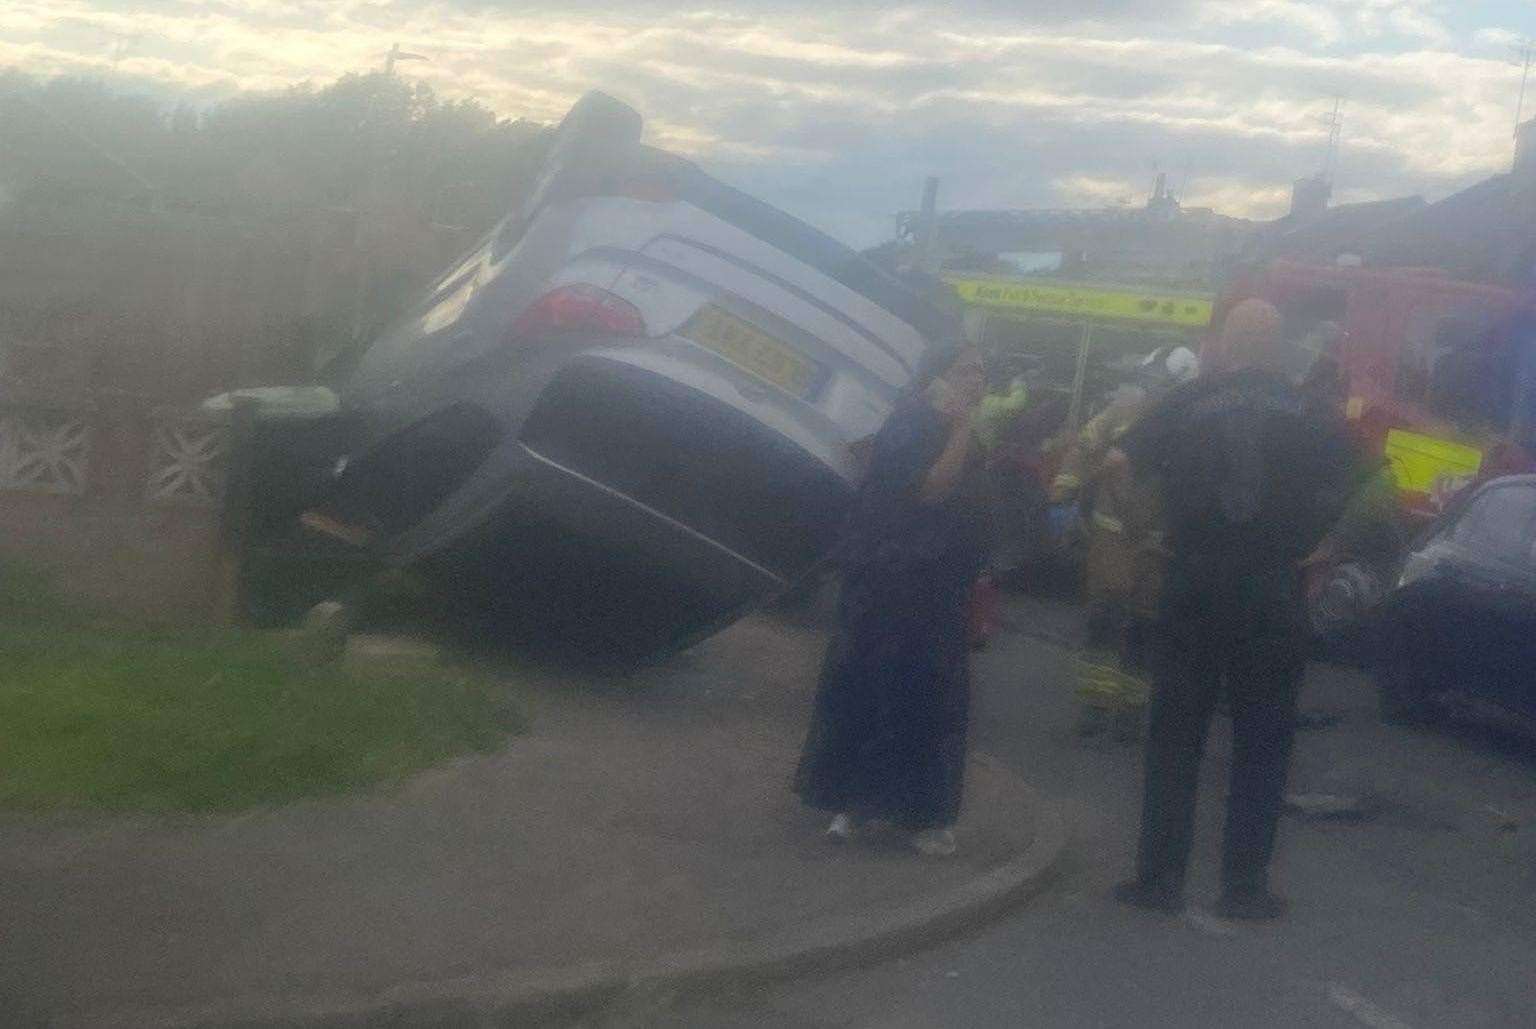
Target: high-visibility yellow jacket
1125, 556
994, 413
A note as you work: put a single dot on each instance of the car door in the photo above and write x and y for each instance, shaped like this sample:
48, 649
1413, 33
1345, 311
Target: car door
1491, 605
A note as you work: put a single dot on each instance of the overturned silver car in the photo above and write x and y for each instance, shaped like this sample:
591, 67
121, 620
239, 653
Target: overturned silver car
624, 418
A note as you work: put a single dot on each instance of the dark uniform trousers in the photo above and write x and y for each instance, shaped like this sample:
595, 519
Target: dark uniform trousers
1226, 626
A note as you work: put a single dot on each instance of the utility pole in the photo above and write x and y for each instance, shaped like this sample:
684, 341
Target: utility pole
1525, 54
1335, 123
1080, 379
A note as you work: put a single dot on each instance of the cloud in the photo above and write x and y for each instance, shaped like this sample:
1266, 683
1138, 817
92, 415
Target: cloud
838, 109
1497, 37
1243, 198
1093, 191
1417, 23
1316, 20
1332, 22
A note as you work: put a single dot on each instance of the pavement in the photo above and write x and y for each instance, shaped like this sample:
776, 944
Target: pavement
639, 841
1419, 914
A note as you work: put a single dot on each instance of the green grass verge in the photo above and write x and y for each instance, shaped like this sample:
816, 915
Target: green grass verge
124, 719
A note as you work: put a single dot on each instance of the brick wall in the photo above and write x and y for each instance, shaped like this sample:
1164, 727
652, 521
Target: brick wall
114, 323
118, 499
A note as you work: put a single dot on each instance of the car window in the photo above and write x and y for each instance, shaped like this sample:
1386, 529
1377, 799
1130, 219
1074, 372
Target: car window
1500, 519
1450, 362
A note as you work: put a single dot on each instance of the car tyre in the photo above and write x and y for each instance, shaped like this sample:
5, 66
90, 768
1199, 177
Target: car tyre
1339, 609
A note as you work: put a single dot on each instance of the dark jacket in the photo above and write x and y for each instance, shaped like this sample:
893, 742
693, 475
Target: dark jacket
1252, 470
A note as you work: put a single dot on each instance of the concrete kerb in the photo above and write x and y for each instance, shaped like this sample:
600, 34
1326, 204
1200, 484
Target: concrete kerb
555, 995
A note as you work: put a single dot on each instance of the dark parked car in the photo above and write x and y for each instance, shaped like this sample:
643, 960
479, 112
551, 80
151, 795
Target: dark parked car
624, 417
1460, 627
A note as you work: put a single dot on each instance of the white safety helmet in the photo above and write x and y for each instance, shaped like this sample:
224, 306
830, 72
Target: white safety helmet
1172, 365
1182, 364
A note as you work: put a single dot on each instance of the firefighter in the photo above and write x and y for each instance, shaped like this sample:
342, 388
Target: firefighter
997, 411
1252, 474
1124, 554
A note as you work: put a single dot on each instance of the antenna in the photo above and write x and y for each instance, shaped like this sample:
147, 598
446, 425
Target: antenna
1335, 123
1525, 56
396, 54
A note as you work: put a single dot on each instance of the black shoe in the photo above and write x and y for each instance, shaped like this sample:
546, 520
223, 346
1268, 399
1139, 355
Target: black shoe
1149, 897
1250, 905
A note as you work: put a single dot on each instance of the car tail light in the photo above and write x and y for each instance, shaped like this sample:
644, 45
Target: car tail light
581, 308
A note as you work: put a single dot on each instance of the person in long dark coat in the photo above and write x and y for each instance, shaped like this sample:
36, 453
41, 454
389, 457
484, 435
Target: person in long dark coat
887, 739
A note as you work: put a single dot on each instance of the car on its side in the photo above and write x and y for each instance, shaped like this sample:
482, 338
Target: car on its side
626, 415
1460, 626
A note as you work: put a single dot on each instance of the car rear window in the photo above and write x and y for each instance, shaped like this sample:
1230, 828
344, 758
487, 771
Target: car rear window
1500, 519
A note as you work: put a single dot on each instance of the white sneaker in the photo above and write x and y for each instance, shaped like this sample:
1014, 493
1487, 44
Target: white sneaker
934, 843
841, 829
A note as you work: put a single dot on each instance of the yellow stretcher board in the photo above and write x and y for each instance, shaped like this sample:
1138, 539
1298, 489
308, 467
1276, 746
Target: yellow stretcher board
1420, 463
1069, 299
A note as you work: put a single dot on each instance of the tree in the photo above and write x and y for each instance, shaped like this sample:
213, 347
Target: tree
70, 136
298, 149
265, 227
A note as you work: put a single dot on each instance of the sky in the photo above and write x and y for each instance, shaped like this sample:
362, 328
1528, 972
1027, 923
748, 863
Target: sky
836, 110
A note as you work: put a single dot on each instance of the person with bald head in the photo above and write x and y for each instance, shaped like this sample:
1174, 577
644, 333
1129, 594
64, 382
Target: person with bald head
1253, 471
1250, 333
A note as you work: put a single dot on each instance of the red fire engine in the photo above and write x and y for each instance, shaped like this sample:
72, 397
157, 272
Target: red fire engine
1434, 369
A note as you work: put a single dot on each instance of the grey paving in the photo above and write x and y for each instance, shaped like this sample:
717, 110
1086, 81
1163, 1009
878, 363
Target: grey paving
1423, 916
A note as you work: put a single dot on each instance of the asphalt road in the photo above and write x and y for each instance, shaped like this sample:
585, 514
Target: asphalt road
1421, 916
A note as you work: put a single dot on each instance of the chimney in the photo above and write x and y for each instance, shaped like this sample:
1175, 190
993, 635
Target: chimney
1309, 196
1162, 205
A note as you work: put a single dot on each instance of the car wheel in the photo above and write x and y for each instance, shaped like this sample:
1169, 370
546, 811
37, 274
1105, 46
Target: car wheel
1341, 605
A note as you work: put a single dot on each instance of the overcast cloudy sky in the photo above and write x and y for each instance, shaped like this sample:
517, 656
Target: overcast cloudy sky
836, 109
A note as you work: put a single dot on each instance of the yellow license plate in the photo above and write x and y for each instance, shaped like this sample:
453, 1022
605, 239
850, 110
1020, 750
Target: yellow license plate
751, 348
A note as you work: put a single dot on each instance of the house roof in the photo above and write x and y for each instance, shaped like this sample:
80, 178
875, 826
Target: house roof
1339, 230
1486, 233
